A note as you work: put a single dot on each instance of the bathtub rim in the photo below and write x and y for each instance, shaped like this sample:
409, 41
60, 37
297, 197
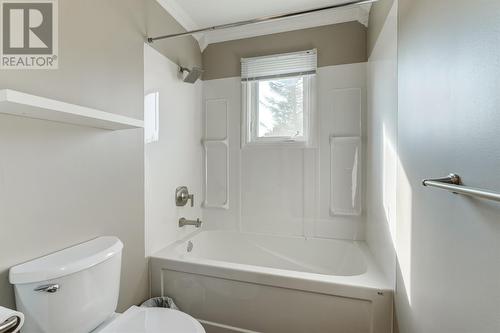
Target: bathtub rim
364, 286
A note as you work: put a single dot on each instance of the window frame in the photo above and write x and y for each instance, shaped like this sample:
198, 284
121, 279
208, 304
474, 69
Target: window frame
250, 115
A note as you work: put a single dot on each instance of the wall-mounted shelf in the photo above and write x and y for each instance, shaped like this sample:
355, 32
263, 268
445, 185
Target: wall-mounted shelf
25, 105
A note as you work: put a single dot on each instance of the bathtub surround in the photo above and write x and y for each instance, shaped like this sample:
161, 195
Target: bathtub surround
286, 190
449, 69
62, 184
382, 142
337, 44
176, 158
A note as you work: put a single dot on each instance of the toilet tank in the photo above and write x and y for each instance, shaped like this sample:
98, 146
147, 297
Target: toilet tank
70, 291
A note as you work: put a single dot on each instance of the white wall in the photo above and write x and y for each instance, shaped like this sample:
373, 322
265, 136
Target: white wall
448, 119
382, 146
286, 191
176, 159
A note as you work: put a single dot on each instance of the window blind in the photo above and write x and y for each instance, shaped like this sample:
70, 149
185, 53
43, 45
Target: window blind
279, 65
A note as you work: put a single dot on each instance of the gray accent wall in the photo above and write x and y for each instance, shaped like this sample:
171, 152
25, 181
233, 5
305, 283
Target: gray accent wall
337, 44
62, 184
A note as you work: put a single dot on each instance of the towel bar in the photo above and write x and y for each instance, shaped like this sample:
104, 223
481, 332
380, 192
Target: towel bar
453, 183
8, 325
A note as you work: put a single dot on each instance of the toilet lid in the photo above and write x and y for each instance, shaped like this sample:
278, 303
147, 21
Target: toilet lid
154, 320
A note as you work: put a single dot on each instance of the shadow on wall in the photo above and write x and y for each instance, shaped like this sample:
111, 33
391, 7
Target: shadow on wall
5, 293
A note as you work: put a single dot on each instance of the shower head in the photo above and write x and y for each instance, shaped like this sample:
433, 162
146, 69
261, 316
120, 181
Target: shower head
192, 74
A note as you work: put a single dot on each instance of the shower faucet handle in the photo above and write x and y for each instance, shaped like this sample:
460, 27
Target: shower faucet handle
182, 196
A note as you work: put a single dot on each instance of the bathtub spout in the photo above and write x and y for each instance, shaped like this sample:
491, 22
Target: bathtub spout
184, 222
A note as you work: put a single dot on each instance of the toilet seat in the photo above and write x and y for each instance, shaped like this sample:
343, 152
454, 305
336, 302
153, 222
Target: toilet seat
153, 320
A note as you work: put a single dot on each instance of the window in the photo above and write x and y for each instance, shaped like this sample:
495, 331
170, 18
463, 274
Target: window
277, 98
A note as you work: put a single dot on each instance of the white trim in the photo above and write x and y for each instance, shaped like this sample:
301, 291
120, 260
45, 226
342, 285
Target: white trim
359, 14
183, 18
202, 41
355, 13
249, 137
364, 14
173, 8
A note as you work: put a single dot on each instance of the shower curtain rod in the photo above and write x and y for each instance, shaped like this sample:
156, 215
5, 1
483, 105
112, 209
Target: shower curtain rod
262, 19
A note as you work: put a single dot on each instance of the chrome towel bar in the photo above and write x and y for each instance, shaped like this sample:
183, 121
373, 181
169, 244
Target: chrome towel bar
453, 183
9, 325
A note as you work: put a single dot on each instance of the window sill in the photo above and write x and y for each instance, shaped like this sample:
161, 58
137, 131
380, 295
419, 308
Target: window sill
277, 144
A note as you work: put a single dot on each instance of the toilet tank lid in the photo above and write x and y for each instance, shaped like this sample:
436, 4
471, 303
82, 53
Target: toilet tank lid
67, 261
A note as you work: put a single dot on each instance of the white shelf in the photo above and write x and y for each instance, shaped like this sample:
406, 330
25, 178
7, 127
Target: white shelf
25, 105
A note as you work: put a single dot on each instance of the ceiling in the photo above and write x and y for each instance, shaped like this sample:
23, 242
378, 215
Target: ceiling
205, 13
195, 14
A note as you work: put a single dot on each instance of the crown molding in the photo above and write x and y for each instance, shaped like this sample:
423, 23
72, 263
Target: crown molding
176, 11
355, 13
360, 14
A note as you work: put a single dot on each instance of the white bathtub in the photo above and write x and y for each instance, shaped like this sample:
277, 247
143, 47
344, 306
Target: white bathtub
242, 282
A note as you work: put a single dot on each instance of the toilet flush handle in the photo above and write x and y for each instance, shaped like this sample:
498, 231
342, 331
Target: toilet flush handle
48, 288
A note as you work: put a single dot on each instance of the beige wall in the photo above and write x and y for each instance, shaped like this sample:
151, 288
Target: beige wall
378, 16
337, 44
63, 184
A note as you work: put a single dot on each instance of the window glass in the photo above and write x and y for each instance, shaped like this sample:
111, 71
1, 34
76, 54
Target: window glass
281, 108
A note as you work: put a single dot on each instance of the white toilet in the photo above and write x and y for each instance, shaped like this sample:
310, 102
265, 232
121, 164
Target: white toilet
76, 291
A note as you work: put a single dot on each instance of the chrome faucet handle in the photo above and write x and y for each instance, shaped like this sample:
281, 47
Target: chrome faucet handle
182, 196
183, 222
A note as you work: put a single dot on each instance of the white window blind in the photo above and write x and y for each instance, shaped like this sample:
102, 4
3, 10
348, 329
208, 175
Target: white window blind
282, 65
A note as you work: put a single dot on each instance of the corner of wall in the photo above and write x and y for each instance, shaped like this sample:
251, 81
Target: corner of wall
378, 15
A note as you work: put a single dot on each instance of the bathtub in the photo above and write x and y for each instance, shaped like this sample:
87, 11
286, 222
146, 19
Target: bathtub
244, 282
